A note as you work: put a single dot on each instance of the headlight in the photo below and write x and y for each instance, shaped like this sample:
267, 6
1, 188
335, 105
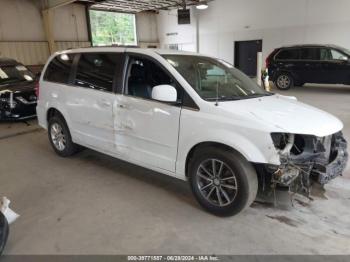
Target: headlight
292, 143
280, 140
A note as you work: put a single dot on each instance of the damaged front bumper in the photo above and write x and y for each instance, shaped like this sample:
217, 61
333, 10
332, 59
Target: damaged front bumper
305, 160
17, 105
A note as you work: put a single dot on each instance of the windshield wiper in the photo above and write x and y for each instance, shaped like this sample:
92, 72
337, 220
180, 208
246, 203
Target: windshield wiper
224, 98
259, 95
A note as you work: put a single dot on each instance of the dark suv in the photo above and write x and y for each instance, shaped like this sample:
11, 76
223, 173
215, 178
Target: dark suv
319, 64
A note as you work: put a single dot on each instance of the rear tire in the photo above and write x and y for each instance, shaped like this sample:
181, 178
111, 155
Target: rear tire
60, 137
284, 81
226, 187
4, 232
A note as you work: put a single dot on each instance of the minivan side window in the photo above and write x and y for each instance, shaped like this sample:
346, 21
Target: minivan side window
98, 70
288, 54
311, 53
143, 75
59, 69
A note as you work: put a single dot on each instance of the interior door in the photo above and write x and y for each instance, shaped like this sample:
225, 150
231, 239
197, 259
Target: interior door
147, 130
246, 55
90, 101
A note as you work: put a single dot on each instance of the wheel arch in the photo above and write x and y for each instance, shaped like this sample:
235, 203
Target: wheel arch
203, 145
56, 111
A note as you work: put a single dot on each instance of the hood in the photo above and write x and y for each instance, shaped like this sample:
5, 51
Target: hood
18, 87
286, 114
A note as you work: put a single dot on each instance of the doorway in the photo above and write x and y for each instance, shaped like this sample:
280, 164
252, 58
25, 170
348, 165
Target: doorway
246, 53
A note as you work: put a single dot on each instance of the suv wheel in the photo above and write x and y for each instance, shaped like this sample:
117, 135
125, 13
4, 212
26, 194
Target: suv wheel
284, 81
4, 232
60, 137
224, 183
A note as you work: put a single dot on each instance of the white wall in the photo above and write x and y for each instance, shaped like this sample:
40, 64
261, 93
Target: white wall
171, 33
276, 22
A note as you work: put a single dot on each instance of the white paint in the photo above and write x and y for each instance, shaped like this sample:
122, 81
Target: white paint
160, 136
276, 22
164, 93
10, 215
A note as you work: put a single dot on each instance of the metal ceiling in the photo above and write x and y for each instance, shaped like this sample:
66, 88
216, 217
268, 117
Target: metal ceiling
136, 6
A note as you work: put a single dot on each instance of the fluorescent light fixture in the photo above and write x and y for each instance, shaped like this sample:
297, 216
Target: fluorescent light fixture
202, 5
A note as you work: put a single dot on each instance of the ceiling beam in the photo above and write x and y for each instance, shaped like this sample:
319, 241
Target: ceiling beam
52, 4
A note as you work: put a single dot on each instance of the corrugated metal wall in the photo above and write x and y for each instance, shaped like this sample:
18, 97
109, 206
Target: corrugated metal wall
35, 53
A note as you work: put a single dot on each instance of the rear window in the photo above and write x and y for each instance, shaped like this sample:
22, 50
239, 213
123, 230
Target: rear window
288, 54
99, 70
59, 69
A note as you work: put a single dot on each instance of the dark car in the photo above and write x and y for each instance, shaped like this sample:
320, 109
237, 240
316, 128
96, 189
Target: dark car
17, 91
318, 64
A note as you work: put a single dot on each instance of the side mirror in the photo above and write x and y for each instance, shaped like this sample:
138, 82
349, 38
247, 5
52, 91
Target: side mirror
164, 93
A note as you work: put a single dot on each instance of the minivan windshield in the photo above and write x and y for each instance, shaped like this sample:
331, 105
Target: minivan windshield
14, 74
214, 79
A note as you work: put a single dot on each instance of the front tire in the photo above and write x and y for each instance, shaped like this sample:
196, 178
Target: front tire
223, 182
4, 232
60, 137
284, 81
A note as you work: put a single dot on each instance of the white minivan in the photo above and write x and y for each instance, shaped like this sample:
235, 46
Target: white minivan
189, 116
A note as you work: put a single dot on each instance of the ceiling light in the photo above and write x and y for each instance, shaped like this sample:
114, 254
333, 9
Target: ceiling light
202, 5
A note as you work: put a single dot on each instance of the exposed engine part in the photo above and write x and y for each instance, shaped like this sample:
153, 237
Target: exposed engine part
306, 159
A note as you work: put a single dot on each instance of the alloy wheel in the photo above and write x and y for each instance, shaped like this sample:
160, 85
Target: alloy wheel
283, 81
216, 182
58, 137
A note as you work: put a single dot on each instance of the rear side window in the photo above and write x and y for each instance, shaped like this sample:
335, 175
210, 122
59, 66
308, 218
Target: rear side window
99, 71
311, 54
59, 69
288, 54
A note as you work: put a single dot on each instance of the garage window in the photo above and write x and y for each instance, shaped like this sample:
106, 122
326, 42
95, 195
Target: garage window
112, 28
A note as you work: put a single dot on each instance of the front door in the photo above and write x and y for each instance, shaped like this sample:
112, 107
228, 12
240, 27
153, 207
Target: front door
246, 55
336, 67
147, 130
91, 99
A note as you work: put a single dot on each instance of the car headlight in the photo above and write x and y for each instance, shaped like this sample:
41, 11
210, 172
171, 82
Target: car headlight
294, 144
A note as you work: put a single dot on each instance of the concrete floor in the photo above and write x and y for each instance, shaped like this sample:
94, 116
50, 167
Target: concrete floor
94, 204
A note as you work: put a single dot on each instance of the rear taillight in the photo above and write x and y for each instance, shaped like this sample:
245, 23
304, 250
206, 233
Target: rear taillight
37, 89
267, 62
